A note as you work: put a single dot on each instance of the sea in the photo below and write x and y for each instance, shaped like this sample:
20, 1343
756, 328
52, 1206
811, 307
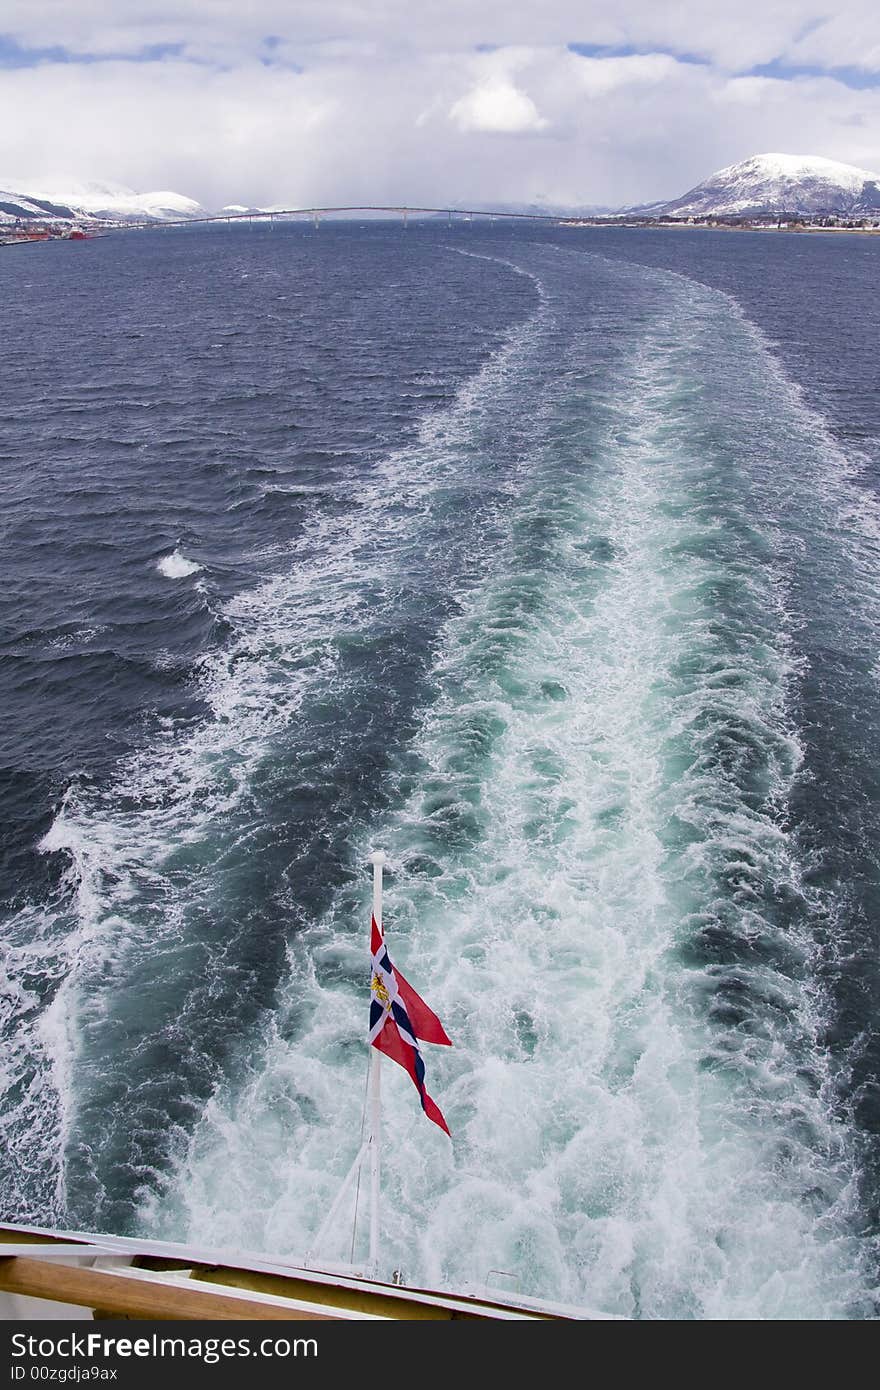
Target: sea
545, 559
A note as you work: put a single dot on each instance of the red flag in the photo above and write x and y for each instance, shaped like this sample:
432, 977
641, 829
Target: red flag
391, 1041
426, 1024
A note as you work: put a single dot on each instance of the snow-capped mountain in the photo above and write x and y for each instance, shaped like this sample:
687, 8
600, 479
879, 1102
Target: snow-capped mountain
778, 185
106, 202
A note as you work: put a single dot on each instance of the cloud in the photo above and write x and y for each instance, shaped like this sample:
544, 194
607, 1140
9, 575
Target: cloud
356, 103
733, 37
496, 106
849, 38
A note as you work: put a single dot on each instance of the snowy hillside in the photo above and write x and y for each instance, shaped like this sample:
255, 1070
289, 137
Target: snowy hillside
104, 201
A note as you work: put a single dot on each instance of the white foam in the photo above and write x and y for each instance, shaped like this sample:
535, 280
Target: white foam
177, 566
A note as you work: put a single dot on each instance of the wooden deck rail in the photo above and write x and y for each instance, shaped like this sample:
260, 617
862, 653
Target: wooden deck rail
130, 1296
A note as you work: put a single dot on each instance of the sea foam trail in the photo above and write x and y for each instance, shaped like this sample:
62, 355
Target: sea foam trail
594, 882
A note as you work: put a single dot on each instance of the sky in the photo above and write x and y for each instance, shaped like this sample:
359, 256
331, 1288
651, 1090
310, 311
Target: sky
450, 102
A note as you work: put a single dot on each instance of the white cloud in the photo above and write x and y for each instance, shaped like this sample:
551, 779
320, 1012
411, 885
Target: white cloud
599, 77
850, 37
496, 106
730, 36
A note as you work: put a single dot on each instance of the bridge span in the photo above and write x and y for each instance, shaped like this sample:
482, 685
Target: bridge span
393, 210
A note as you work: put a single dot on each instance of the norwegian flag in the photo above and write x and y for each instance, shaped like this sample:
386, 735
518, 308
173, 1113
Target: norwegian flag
398, 1018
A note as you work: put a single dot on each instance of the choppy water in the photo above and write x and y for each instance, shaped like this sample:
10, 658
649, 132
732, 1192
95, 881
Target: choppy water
547, 561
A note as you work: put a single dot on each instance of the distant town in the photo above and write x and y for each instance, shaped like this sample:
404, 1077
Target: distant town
775, 223
21, 233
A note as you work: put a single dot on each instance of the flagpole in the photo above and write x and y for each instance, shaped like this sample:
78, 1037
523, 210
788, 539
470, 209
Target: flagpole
377, 859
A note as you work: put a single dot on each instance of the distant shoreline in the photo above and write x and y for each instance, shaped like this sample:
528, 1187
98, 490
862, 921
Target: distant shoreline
716, 227
430, 216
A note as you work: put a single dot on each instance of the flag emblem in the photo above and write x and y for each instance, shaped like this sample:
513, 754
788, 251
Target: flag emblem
399, 1018
380, 992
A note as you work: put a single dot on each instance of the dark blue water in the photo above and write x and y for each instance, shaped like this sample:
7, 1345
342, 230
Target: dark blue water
547, 559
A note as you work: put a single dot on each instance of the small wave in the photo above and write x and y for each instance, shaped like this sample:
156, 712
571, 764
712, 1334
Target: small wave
177, 566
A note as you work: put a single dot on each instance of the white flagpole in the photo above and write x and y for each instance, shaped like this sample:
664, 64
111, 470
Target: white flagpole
377, 859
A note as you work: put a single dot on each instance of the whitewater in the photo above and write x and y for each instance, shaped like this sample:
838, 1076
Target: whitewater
551, 658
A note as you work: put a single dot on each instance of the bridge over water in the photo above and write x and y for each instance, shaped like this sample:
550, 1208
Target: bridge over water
269, 215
